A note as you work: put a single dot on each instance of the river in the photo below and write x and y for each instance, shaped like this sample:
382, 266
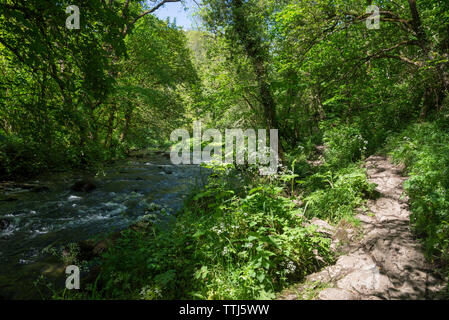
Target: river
34, 220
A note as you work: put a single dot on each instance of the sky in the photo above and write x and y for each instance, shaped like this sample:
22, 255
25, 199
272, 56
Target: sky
177, 10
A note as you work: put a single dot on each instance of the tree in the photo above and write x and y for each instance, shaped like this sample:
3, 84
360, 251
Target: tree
242, 23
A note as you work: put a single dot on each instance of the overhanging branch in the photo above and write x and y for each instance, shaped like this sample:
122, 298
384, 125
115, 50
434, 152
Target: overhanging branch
143, 14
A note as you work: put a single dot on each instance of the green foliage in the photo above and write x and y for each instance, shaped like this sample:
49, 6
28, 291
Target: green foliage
16, 156
222, 246
311, 69
339, 193
345, 145
424, 149
77, 98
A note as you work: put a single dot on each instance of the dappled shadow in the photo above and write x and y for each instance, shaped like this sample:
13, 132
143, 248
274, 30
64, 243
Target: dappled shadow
398, 257
387, 262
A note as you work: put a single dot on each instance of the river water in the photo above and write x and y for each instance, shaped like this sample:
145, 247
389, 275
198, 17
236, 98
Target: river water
58, 216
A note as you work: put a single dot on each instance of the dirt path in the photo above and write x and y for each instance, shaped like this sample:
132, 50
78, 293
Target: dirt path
387, 262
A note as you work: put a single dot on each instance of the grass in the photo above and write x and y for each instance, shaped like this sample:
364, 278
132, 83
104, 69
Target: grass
309, 290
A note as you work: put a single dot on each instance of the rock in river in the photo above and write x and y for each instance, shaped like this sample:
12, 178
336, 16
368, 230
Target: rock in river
83, 186
4, 224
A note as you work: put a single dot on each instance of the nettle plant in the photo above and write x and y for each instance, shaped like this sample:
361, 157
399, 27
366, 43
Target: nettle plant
228, 243
251, 246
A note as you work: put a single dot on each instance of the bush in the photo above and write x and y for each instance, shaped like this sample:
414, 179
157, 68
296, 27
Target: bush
345, 145
424, 149
339, 193
18, 157
24, 157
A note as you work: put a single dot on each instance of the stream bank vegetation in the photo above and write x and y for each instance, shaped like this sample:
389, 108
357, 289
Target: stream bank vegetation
311, 69
243, 236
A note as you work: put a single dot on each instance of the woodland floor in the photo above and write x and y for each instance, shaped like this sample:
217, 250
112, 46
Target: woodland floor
384, 259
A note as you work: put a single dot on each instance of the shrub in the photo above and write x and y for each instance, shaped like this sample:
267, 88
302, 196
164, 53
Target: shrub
339, 193
424, 149
18, 156
345, 145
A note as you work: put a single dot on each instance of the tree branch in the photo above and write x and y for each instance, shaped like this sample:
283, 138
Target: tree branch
384, 16
143, 14
384, 53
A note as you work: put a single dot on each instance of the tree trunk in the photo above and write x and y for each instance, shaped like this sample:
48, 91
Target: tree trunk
110, 128
253, 47
128, 117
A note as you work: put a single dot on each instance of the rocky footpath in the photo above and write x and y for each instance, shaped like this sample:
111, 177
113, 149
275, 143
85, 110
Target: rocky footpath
385, 261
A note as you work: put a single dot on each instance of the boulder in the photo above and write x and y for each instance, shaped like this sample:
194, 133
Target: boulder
166, 169
166, 155
91, 248
4, 224
337, 294
83, 186
101, 247
323, 227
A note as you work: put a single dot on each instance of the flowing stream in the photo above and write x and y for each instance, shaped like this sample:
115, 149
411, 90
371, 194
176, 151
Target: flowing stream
31, 220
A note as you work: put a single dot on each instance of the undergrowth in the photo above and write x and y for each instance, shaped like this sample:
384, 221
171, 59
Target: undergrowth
243, 236
424, 150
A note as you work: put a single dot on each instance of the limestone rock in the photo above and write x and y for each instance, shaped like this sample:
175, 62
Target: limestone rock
337, 294
388, 263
